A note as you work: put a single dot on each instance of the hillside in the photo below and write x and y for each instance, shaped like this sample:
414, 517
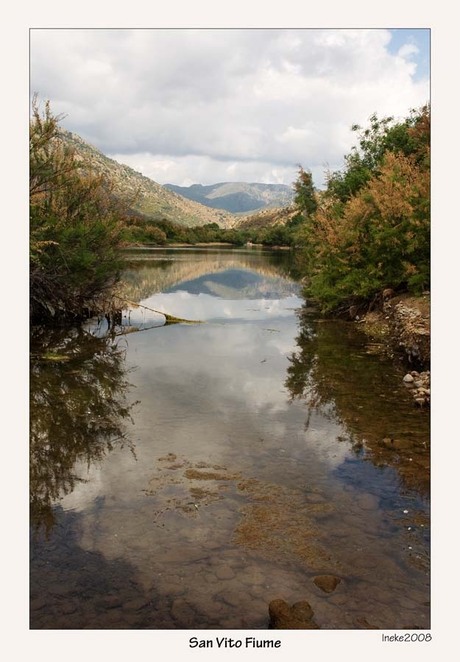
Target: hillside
266, 218
237, 197
143, 194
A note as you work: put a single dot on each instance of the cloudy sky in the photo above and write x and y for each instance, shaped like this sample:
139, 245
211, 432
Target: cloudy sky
187, 106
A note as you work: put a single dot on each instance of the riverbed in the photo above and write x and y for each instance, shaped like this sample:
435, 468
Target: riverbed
185, 475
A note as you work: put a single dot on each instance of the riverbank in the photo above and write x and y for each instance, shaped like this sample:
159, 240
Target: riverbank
402, 327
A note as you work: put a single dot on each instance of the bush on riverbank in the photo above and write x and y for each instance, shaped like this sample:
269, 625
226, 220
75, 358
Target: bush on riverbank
371, 228
75, 228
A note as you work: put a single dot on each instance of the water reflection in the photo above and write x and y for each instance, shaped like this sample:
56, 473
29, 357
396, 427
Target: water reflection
245, 484
199, 286
335, 371
77, 408
195, 271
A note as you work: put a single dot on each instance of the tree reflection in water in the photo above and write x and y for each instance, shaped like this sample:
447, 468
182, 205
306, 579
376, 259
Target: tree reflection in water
338, 371
78, 406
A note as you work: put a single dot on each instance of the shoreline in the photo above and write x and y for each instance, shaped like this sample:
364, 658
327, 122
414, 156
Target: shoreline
402, 327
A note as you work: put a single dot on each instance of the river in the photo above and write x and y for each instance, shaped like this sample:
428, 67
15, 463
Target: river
185, 475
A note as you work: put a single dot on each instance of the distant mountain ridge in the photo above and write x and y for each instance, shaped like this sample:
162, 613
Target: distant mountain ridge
237, 197
145, 196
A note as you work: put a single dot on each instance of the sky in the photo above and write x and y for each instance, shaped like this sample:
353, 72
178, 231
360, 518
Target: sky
202, 106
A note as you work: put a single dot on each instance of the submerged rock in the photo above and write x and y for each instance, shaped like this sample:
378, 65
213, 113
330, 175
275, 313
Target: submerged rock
297, 617
327, 583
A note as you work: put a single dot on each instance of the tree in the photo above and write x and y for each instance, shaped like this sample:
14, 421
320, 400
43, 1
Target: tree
371, 228
305, 197
75, 227
410, 136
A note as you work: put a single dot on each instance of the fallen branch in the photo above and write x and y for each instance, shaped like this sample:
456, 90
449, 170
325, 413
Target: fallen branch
170, 319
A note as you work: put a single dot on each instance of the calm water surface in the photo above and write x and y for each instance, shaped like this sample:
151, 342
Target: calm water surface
185, 475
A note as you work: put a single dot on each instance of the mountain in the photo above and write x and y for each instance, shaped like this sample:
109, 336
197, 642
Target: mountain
144, 196
237, 197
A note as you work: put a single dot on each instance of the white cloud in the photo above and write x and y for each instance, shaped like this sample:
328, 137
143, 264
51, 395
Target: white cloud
209, 105
408, 50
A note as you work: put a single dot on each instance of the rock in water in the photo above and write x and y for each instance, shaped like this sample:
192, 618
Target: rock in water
327, 583
297, 617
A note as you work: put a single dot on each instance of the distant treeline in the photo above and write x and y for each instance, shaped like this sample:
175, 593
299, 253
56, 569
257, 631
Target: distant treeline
162, 232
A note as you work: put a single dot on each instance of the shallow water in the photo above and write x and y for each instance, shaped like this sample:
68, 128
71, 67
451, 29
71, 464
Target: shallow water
183, 476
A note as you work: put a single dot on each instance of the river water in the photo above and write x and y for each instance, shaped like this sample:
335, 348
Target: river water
185, 475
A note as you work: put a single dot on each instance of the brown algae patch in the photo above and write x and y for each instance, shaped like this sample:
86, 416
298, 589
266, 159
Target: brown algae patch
174, 490
276, 521
170, 457
174, 463
199, 494
278, 524
194, 474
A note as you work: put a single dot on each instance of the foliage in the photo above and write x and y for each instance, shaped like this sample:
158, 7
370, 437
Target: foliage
305, 196
410, 137
145, 232
75, 227
371, 229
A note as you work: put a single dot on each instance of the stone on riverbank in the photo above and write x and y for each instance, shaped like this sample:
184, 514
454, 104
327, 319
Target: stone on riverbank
419, 385
402, 326
409, 321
